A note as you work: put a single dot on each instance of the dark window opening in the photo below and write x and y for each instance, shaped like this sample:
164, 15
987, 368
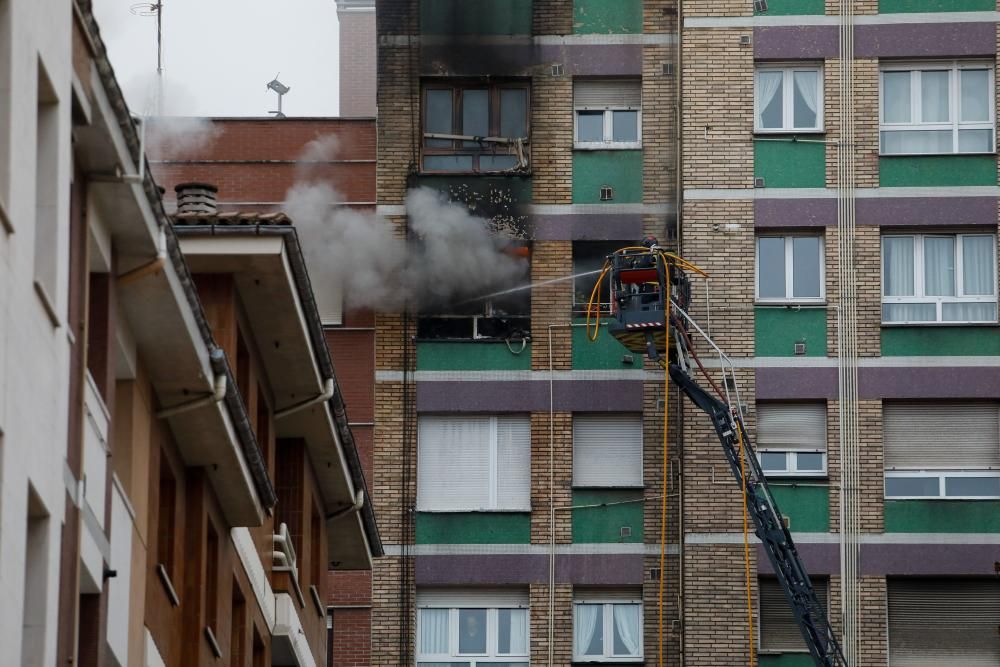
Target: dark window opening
166, 517
495, 113
588, 259
211, 578
243, 368
237, 638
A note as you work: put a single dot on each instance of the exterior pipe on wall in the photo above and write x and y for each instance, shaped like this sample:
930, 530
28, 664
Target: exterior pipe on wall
215, 397
359, 502
153, 266
329, 385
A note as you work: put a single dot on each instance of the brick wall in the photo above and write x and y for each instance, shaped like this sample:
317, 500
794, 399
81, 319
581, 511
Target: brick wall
562, 624
562, 479
552, 138
551, 304
351, 637
357, 63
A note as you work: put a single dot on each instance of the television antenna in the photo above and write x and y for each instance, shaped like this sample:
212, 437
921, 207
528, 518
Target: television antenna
281, 89
153, 9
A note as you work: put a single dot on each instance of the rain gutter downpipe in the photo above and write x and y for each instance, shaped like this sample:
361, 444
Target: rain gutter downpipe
220, 382
329, 385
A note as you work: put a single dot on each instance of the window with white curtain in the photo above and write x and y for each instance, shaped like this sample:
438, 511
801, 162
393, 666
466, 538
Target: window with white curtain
941, 450
790, 268
939, 278
607, 113
943, 621
607, 450
935, 108
788, 99
607, 627
791, 439
471, 628
779, 633
473, 463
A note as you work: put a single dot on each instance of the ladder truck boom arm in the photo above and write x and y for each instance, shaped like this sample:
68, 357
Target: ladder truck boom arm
768, 524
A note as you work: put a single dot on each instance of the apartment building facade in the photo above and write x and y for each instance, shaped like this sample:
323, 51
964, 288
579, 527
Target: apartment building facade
846, 211
254, 162
179, 470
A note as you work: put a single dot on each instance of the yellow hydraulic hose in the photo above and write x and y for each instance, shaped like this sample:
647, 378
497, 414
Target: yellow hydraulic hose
746, 541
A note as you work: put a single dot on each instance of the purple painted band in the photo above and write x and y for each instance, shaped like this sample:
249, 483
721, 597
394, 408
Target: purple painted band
878, 211
903, 40
587, 227
898, 559
529, 396
881, 382
523, 569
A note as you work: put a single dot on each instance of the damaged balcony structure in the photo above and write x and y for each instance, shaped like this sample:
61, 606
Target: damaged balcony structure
554, 121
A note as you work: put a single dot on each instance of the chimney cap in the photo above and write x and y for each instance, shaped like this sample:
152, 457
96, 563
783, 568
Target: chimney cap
181, 187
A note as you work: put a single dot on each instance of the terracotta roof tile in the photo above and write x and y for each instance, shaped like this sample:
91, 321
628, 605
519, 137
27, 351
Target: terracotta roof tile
231, 218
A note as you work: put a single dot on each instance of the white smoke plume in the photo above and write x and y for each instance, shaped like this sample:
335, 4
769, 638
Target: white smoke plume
451, 257
169, 134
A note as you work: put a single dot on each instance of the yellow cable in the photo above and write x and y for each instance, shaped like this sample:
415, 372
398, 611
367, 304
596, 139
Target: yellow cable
746, 540
663, 503
590, 304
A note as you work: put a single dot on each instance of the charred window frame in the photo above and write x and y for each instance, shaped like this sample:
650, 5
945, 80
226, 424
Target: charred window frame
473, 108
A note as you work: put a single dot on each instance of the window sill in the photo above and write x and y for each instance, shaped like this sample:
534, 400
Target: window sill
935, 325
607, 147
527, 173
168, 585
788, 133
947, 499
475, 511
890, 155
791, 305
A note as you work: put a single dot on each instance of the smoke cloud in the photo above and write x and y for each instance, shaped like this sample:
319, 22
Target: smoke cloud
451, 257
169, 134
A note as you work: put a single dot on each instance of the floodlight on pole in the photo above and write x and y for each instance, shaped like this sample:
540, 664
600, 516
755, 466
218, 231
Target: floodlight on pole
281, 89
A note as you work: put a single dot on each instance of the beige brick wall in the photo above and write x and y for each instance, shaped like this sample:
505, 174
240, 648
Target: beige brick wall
671, 611
718, 99
552, 17
552, 138
716, 629
717, 8
562, 624
868, 285
872, 646
861, 7
561, 478
872, 466
551, 304
398, 122
866, 94
387, 600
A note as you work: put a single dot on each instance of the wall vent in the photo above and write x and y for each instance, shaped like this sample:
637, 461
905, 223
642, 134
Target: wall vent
800, 348
607, 193
745, 40
557, 69
654, 574
758, 183
625, 531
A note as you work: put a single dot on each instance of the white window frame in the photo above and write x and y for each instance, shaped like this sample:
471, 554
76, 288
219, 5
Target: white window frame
789, 270
609, 143
492, 654
608, 620
918, 281
941, 476
791, 463
788, 99
954, 103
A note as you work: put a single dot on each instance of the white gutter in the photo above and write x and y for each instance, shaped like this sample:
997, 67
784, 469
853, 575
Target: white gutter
328, 389
215, 397
359, 502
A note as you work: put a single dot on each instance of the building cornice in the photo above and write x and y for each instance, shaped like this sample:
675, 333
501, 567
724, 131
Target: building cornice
355, 6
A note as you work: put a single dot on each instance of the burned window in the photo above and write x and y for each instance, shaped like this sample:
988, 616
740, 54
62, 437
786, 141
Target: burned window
588, 259
475, 127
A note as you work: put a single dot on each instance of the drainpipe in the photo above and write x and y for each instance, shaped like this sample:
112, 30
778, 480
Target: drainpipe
359, 502
215, 397
156, 264
329, 385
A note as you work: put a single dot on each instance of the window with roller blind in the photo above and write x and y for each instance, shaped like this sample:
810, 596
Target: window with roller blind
473, 463
779, 633
607, 450
472, 627
941, 450
791, 439
943, 622
607, 113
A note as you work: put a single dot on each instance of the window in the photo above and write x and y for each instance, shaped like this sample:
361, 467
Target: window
943, 622
211, 578
607, 627
47, 193
790, 268
938, 108
942, 450
472, 628
939, 278
165, 520
474, 463
488, 111
588, 260
791, 439
237, 635
779, 633
608, 113
788, 99
607, 450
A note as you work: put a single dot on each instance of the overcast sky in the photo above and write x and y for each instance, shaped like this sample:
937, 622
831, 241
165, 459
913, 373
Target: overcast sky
219, 55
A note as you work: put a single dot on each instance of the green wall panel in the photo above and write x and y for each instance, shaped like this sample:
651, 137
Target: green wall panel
473, 528
793, 7
900, 6
605, 353
776, 330
786, 660
622, 170
940, 341
479, 17
807, 507
942, 516
474, 356
790, 164
937, 170
607, 16
603, 524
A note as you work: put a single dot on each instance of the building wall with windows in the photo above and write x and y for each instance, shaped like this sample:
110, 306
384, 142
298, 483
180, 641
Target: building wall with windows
766, 166
515, 517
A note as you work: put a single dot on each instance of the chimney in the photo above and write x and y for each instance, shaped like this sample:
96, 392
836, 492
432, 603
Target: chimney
197, 198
